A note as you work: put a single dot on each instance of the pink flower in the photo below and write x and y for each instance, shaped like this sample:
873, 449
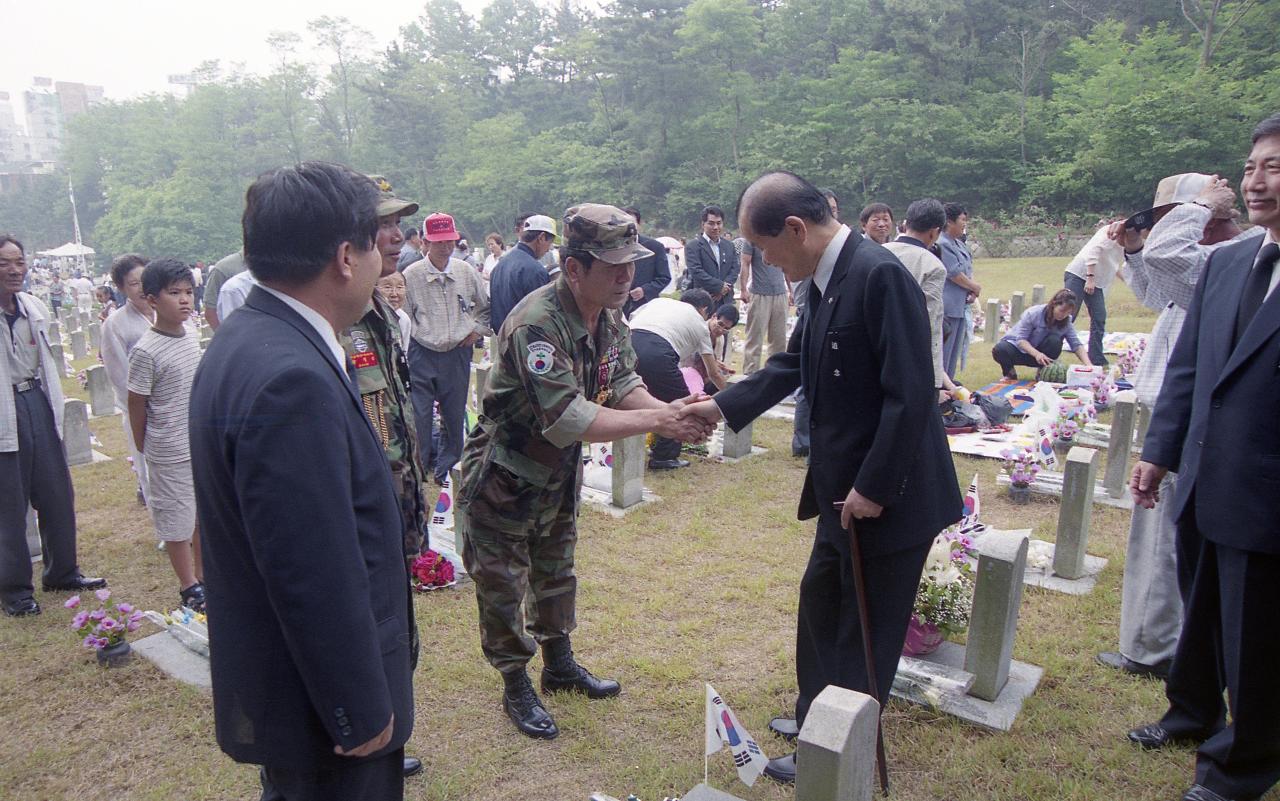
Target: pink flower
124, 609
133, 625
102, 595
109, 624
97, 615
79, 620
72, 602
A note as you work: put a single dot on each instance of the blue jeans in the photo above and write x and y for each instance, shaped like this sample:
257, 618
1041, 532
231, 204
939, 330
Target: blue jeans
1097, 306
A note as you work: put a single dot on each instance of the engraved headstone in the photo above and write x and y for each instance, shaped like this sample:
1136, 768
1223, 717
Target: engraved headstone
75, 432
997, 596
1074, 513
102, 398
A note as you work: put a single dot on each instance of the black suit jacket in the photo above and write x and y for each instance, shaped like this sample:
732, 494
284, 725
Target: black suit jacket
1215, 421
652, 274
867, 370
300, 532
703, 270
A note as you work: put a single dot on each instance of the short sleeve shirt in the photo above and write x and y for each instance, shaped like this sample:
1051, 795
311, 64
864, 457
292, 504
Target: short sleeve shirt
162, 367
678, 323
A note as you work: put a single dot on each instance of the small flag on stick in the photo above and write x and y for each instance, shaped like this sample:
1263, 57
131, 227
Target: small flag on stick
724, 729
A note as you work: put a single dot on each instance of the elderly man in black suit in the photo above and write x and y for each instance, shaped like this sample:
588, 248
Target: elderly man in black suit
711, 262
879, 460
1215, 423
652, 275
301, 534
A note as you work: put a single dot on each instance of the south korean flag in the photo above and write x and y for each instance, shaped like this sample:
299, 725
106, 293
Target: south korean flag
724, 729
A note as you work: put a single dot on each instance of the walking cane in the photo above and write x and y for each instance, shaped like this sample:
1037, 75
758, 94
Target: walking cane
859, 585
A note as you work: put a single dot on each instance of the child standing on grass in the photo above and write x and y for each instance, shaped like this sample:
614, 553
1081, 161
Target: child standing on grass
161, 368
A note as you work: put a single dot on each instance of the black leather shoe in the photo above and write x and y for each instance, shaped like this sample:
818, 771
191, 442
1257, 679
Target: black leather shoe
782, 769
1154, 735
667, 464
23, 607
77, 584
785, 728
1199, 792
412, 766
1119, 661
525, 709
563, 673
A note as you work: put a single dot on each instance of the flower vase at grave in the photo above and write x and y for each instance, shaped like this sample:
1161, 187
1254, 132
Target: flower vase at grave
115, 655
1020, 494
1061, 446
922, 638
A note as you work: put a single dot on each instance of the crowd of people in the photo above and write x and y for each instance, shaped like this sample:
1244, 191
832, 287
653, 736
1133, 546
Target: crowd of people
287, 467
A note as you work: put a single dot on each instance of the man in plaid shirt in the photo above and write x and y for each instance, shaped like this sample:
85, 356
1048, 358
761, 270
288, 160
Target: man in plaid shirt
1194, 216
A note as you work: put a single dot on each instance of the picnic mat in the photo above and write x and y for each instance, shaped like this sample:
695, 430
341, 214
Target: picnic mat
1017, 392
988, 445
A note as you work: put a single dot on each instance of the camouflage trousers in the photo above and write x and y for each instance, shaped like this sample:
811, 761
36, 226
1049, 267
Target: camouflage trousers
525, 584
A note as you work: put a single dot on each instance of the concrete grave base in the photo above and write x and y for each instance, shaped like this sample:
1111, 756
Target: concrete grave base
1040, 573
704, 793
603, 501
98, 456
113, 413
175, 659
1050, 483
999, 714
714, 453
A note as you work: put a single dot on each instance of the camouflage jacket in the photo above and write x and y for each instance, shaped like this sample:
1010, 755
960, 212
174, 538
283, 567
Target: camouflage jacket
382, 378
549, 379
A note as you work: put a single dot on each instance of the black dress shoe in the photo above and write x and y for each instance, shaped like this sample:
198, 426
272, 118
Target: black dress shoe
525, 709
667, 464
782, 769
785, 728
1119, 661
1154, 735
1199, 792
77, 584
23, 607
412, 766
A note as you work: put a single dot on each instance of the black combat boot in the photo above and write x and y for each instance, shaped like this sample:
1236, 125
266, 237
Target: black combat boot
561, 672
524, 707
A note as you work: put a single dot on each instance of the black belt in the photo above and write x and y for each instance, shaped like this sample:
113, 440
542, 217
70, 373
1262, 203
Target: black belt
29, 384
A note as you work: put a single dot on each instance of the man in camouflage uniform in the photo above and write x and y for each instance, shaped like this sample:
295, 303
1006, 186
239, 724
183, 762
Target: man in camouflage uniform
564, 374
382, 379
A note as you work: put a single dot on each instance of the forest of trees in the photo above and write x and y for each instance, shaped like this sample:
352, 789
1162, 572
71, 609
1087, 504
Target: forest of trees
1028, 111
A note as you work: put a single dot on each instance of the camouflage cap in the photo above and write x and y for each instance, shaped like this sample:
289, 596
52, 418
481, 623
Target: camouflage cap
606, 232
388, 203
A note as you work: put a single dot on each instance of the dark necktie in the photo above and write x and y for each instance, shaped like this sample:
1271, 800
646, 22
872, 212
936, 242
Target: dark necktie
1255, 288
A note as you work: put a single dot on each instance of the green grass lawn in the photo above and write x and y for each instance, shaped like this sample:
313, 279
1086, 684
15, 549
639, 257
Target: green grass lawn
700, 587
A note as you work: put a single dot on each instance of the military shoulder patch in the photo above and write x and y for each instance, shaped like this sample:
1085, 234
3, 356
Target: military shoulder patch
540, 357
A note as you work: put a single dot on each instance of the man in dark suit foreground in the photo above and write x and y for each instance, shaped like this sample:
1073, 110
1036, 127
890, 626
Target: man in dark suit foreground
879, 460
305, 574
1215, 424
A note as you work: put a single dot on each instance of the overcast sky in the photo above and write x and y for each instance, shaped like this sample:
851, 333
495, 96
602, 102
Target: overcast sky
130, 47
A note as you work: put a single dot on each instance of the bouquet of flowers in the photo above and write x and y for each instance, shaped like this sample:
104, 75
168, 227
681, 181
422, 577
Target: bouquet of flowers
431, 571
1129, 360
944, 598
1022, 466
1101, 387
82, 378
103, 627
1065, 428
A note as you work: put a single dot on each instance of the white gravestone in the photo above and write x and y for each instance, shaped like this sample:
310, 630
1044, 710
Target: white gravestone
1074, 513
79, 345
102, 398
997, 596
75, 432
836, 758
1123, 419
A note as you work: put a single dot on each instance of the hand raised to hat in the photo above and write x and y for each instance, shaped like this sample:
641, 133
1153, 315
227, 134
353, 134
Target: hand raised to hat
1128, 238
1218, 196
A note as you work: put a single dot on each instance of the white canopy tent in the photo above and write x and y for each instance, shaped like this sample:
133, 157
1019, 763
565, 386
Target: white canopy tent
68, 251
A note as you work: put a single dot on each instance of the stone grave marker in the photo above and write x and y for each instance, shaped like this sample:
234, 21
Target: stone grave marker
59, 359
55, 333
1074, 513
95, 335
628, 471
1017, 304
1123, 419
993, 320
33, 535
997, 596
837, 747
75, 432
737, 444
1144, 420
70, 320
1037, 294
102, 398
79, 345
482, 378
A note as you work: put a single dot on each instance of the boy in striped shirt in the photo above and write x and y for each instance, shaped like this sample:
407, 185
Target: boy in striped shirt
161, 368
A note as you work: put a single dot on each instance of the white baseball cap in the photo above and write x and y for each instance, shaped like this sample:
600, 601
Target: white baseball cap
541, 222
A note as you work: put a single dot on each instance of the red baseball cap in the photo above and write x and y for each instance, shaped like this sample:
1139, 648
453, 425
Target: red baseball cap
439, 227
